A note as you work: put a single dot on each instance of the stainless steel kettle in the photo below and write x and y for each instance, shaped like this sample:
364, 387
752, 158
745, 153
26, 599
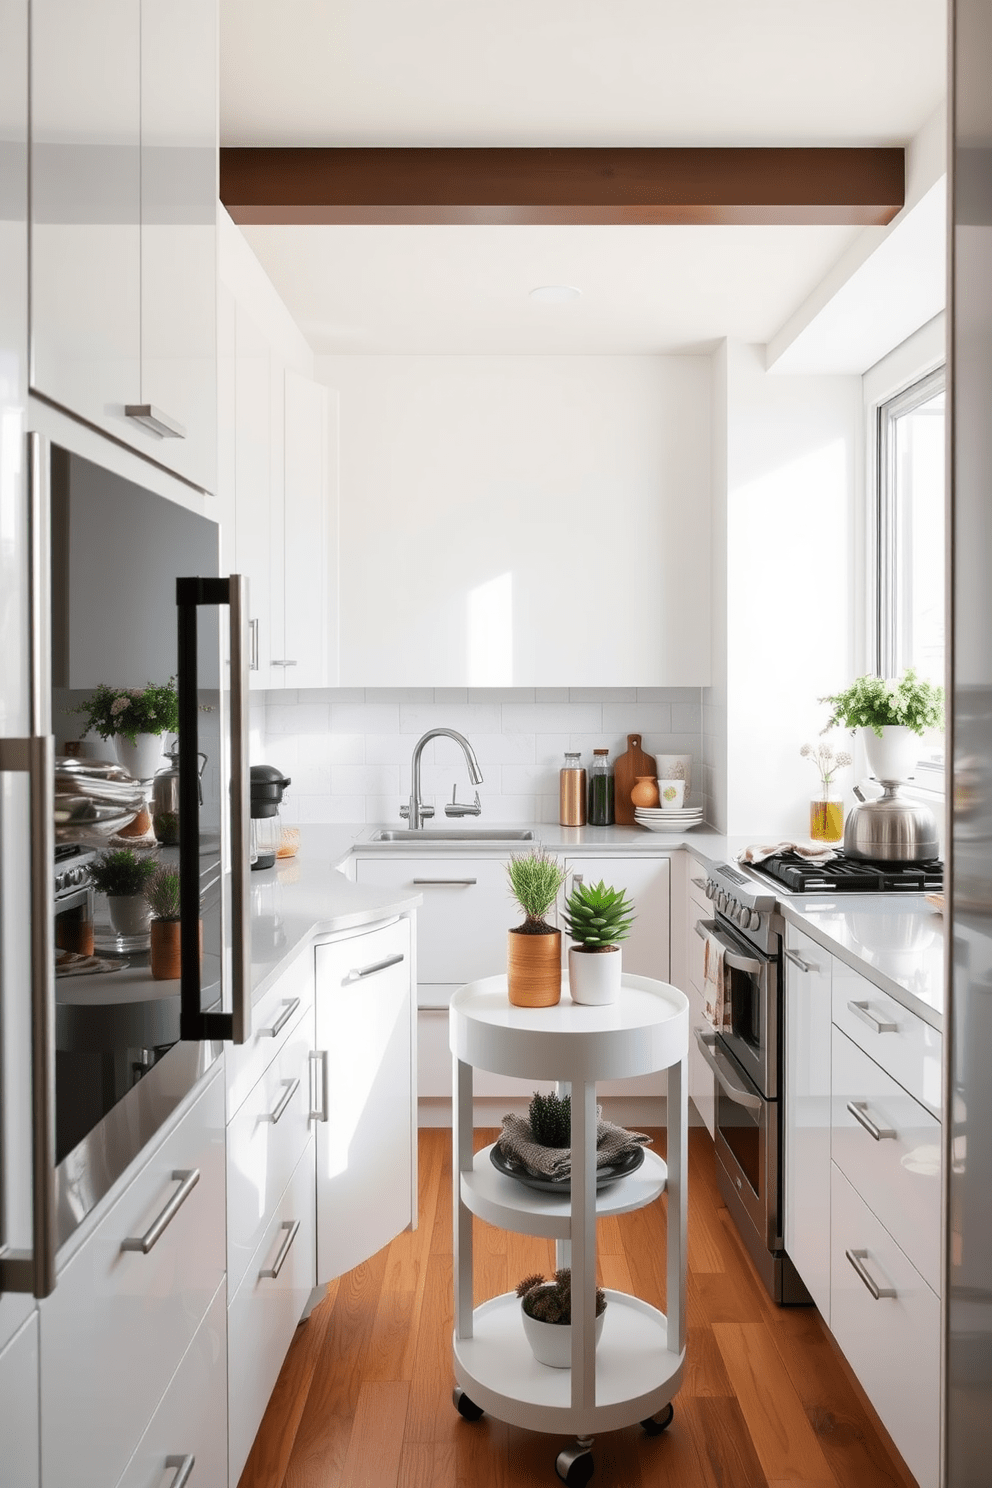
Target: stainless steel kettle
891, 829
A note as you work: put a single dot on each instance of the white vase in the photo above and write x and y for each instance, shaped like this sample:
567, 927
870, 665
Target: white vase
551, 1343
130, 914
893, 756
594, 976
142, 758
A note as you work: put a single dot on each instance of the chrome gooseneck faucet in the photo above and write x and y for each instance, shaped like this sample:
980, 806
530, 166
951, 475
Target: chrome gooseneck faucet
415, 812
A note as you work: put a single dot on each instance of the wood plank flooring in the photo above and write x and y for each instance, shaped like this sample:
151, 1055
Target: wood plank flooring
364, 1397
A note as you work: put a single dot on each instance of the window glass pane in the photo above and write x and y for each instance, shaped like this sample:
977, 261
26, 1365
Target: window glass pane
919, 495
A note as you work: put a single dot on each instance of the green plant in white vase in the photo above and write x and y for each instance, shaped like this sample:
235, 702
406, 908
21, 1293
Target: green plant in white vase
135, 718
597, 918
892, 715
123, 875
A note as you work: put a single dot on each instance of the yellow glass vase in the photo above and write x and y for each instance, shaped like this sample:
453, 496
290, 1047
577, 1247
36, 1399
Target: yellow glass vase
826, 818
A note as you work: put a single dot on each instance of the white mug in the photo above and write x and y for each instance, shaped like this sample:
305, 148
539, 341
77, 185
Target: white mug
675, 767
671, 793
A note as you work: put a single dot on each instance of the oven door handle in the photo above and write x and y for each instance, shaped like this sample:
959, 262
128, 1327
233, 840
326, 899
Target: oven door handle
733, 958
722, 1068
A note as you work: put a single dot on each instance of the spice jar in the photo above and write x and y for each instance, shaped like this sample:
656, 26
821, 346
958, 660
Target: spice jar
601, 790
572, 792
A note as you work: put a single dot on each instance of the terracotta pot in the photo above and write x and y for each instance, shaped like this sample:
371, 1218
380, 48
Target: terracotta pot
594, 976
165, 960
533, 969
644, 791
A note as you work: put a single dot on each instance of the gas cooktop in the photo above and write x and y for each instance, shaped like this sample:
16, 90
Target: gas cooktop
844, 875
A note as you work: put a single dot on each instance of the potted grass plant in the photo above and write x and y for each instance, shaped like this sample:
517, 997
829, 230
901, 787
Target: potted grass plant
546, 1309
597, 918
891, 715
122, 874
533, 956
162, 895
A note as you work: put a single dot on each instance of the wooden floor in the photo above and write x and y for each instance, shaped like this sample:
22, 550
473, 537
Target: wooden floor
364, 1397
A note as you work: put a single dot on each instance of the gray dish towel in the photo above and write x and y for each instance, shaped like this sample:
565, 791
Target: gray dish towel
612, 1143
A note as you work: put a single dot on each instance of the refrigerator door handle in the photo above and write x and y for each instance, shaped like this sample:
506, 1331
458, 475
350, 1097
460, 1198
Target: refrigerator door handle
240, 811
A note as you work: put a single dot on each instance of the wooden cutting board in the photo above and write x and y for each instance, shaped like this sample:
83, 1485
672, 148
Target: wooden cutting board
625, 772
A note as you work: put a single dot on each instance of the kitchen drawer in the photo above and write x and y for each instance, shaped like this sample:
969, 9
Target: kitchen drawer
697, 891
264, 1143
188, 1422
279, 1010
907, 1048
892, 1343
898, 1176
702, 1084
696, 947
19, 1427
119, 1321
265, 1310
464, 918
434, 1064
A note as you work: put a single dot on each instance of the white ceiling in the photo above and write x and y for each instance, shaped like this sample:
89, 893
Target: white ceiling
565, 72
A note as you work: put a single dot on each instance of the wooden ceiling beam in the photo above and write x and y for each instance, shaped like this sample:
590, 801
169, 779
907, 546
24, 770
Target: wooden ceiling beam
858, 186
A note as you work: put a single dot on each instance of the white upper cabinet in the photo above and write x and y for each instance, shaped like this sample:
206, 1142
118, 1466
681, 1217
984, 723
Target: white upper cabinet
123, 220
307, 637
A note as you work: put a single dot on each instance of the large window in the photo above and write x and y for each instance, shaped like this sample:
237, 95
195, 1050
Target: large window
910, 547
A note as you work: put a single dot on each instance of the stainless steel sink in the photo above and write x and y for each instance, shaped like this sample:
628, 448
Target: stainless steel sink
454, 834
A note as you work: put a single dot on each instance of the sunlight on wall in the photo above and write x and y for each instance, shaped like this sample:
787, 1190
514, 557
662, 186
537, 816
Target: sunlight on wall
490, 633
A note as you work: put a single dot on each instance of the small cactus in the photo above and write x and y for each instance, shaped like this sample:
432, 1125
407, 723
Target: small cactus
551, 1119
551, 1301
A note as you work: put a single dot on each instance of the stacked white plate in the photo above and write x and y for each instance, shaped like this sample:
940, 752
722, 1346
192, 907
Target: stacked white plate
657, 820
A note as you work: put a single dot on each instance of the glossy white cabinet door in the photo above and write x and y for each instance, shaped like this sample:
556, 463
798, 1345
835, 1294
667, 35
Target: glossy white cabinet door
86, 207
20, 1441
179, 231
806, 1126
254, 521
463, 921
366, 1147
307, 555
903, 1044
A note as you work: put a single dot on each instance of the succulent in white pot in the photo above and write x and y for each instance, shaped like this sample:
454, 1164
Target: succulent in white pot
597, 918
546, 1309
892, 715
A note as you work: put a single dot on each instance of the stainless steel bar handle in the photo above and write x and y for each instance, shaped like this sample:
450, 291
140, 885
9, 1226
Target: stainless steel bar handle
153, 419
187, 1178
40, 590
271, 1272
699, 882
289, 1008
319, 1056
806, 966
857, 1259
292, 1086
253, 645
184, 1469
240, 816
863, 1011
732, 958
283, 663
358, 972
721, 1067
466, 882
859, 1110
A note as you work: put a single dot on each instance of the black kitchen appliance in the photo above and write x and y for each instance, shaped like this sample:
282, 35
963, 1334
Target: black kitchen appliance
266, 789
844, 875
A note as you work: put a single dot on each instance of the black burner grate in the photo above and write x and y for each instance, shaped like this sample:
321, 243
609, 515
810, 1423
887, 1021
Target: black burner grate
853, 875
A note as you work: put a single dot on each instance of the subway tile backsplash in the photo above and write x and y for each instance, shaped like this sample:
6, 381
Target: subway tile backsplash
348, 751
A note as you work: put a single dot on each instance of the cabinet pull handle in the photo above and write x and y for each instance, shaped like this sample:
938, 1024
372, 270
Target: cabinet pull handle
720, 1065
184, 1469
863, 1011
283, 663
699, 882
797, 960
288, 1009
732, 958
320, 1056
462, 881
271, 1272
859, 1110
857, 1259
253, 645
152, 418
358, 972
187, 1178
292, 1086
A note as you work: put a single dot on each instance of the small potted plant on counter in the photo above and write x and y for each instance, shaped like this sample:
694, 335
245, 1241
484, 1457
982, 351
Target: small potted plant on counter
123, 876
892, 715
135, 718
546, 1309
162, 894
597, 918
533, 957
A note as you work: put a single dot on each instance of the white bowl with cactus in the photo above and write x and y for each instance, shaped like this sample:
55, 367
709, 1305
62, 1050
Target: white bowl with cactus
597, 918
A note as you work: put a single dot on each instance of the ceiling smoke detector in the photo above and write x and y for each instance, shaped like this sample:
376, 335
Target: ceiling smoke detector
555, 294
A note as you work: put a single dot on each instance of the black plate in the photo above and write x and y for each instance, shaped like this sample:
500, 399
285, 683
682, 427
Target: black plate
607, 1174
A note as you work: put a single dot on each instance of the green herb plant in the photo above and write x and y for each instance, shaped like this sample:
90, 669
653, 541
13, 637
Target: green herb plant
551, 1302
121, 872
872, 702
130, 711
550, 1119
535, 879
597, 917
162, 893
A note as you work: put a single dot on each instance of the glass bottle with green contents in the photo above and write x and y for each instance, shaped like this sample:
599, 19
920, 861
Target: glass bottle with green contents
601, 789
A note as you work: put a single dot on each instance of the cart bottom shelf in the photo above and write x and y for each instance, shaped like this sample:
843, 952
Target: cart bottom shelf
636, 1374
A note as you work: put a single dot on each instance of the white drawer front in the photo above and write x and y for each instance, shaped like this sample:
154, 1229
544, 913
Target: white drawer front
696, 947
19, 1428
189, 1421
119, 1321
697, 891
264, 1312
897, 1175
906, 1047
278, 1010
434, 1063
464, 918
892, 1343
702, 1083
264, 1143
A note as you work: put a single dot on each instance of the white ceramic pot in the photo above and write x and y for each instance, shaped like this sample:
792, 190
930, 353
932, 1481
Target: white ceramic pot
594, 976
551, 1343
894, 755
130, 914
142, 758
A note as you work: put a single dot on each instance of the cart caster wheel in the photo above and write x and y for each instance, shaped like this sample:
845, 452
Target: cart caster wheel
575, 1467
465, 1407
655, 1425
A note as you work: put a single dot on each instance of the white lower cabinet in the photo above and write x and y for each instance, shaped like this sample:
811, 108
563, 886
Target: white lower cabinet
702, 1083
806, 1117
187, 1428
887, 1321
20, 1446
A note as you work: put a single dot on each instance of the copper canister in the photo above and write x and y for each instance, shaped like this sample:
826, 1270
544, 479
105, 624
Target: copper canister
572, 792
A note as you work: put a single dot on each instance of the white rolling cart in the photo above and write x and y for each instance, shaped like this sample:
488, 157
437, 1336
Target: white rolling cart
637, 1367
